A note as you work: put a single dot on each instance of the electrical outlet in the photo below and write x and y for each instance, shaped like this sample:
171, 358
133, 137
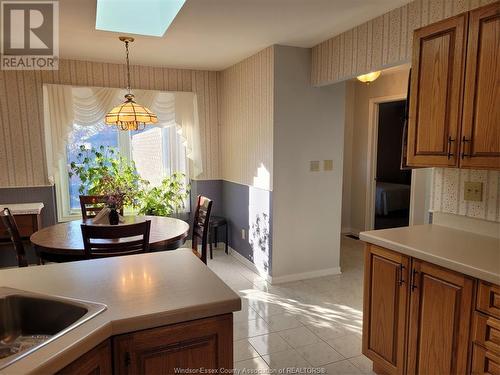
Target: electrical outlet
473, 191
314, 166
328, 165
243, 234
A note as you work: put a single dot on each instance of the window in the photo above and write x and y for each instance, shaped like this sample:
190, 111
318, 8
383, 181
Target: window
157, 152
74, 117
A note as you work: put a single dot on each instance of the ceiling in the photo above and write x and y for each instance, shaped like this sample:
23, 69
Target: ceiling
214, 34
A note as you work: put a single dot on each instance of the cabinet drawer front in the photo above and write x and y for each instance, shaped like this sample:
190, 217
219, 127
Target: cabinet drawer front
487, 332
488, 299
484, 362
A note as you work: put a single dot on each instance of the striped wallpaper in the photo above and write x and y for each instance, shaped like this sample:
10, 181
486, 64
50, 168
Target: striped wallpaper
448, 193
246, 120
22, 154
382, 42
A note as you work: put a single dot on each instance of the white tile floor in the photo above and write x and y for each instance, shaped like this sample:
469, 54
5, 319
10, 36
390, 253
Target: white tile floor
311, 323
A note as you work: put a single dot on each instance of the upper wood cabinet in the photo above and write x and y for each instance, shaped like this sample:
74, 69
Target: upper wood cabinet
384, 314
454, 118
436, 91
439, 322
481, 109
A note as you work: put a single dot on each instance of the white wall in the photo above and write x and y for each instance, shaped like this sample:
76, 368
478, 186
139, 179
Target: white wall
308, 125
347, 173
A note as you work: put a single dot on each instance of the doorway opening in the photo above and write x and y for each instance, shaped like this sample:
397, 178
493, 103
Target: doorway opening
392, 184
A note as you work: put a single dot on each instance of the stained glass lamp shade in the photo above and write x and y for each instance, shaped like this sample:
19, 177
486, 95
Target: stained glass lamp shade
130, 115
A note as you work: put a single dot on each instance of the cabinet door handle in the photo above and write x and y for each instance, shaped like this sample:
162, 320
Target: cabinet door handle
413, 284
464, 144
401, 280
450, 140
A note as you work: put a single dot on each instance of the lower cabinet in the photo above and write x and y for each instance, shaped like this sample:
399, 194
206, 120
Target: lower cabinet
486, 331
385, 308
97, 361
439, 320
417, 316
200, 344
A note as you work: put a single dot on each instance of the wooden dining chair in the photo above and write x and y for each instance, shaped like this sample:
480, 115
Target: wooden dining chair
102, 241
92, 204
10, 224
200, 227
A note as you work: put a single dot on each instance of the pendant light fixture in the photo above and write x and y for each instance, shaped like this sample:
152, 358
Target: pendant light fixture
130, 115
369, 77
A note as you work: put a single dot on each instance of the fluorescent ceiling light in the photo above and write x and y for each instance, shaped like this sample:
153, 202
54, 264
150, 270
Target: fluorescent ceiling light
145, 17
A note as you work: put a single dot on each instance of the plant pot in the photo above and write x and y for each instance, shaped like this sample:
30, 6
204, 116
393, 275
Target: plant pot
114, 217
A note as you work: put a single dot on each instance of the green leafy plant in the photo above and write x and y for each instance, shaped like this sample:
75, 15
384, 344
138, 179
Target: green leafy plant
104, 171
166, 199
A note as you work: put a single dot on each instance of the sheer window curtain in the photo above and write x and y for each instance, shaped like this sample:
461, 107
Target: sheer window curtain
86, 106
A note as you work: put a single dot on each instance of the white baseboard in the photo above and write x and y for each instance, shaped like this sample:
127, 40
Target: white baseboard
286, 278
240, 258
305, 275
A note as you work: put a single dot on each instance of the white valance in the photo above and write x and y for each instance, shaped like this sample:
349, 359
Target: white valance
87, 106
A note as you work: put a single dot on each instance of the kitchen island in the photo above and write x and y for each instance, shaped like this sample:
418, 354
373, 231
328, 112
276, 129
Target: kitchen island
431, 301
158, 304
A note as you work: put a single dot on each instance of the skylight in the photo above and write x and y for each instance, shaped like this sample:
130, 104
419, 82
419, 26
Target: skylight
145, 17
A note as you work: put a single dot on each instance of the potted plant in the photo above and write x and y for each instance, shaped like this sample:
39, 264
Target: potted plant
104, 171
166, 199
114, 202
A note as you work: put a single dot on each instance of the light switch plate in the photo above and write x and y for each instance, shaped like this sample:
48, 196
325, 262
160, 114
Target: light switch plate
314, 166
473, 191
328, 165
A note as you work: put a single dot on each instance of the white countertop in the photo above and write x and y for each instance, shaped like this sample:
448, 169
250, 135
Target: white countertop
23, 208
141, 291
471, 254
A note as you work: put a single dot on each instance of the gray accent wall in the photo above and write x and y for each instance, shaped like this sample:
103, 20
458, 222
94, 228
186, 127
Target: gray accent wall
44, 194
246, 208
211, 189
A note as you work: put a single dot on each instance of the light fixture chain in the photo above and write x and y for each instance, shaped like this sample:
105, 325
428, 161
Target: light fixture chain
128, 67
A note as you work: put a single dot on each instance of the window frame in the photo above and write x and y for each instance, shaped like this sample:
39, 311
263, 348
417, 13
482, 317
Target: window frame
63, 198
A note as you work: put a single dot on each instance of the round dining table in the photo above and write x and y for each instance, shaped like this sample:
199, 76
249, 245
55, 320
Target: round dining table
64, 241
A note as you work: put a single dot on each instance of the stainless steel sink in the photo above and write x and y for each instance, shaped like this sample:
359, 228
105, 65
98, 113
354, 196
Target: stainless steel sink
30, 320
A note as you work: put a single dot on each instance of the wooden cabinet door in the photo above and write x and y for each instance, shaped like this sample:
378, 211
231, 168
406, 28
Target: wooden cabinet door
481, 110
95, 362
439, 321
384, 309
436, 93
204, 343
